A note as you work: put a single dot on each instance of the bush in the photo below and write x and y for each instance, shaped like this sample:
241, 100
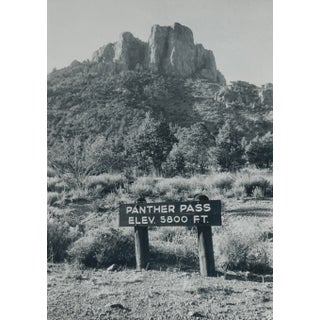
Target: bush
102, 248
249, 183
56, 184
79, 194
144, 187
105, 183
174, 246
242, 245
221, 181
257, 193
51, 172
176, 188
52, 198
58, 241
175, 235
181, 256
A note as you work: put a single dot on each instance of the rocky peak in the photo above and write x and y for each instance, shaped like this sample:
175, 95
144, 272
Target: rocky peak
129, 52
266, 94
170, 50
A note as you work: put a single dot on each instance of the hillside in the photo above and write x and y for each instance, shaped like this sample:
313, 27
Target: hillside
171, 79
78, 90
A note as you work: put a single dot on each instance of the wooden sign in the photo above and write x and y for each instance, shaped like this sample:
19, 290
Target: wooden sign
191, 213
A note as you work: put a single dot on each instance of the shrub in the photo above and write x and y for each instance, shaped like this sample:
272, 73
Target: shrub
110, 201
176, 235
102, 248
144, 187
58, 241
223, 181
56, 184
105, 183
168, 253
257, 193
176, 188
199, 184
51, 172
52, 198
174, 246
51, 183
79, 194
242, 245
249, 183
114, 199
238, 191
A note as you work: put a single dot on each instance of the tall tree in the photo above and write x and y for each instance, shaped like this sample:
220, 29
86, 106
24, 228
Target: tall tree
260, 151
191, 154
229, 151
151, 144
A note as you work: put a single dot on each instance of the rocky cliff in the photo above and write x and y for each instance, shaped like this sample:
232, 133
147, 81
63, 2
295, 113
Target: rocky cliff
169, 50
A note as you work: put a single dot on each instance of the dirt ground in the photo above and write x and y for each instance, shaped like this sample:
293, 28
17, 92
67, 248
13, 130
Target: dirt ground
101, 295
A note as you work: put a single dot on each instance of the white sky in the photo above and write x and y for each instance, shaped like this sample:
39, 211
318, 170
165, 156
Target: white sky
239, 32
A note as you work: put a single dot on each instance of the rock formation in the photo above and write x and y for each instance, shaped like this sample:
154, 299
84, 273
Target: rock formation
266, 94
170, 50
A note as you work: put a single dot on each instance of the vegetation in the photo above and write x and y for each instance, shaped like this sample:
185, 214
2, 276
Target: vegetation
102, 248
100, 122
82, 224
113, 138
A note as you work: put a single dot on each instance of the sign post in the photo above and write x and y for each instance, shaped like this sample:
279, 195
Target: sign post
141, 238
201, 213
205, 245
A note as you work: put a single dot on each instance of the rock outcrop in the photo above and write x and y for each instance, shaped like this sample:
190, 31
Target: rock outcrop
170, 50
129, 52
266, 94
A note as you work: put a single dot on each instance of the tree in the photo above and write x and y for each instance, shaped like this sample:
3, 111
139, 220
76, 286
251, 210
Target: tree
91, 156
260, 151
192, 152
151, 144
68, 156
105, 155
229, 150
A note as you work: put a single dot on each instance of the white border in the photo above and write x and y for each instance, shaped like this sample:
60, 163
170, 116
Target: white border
296, 158
23, 159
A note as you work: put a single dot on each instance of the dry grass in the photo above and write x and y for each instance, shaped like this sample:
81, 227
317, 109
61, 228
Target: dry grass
91, 210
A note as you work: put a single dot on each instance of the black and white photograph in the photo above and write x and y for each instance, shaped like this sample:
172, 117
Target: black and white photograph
159, 159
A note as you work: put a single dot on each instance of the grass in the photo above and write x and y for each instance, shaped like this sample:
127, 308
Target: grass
105, 183
93, 204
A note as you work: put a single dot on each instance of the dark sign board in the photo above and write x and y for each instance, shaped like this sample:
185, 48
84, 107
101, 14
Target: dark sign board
191, 213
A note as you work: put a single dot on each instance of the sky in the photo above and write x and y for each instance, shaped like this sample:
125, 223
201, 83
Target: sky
239, 32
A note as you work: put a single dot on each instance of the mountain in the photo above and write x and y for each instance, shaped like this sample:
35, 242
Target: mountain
169, 77
170, 51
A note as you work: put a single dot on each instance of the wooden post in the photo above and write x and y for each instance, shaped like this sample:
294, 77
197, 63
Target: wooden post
205, 245
141, 244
